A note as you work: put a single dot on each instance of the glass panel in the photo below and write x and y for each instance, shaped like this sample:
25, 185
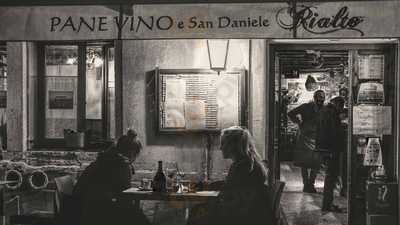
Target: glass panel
374, 123
94, 92
111, 93
3, 96
374, 115
61, 82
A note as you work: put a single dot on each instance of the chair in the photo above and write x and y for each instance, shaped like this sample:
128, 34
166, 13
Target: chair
275, 194
64, 186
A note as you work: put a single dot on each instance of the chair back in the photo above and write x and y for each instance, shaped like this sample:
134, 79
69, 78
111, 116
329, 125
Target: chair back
275, 194
64, 187
2, 203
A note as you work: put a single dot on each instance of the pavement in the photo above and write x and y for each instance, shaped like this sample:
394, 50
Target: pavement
304, 208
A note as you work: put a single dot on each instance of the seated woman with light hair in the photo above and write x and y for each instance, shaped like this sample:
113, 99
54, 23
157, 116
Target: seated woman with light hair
243, 198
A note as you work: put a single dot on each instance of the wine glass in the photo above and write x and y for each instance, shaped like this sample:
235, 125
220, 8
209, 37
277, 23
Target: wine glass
170, 174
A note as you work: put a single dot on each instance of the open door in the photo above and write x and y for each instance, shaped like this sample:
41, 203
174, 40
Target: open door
364, 74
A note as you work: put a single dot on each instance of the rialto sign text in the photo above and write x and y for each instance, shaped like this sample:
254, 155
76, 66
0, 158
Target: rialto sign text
309, 19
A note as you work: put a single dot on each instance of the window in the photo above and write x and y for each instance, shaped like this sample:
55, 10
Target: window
75, 81
61, 88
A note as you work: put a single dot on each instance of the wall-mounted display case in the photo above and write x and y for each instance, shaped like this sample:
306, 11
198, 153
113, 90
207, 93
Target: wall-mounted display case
200, 100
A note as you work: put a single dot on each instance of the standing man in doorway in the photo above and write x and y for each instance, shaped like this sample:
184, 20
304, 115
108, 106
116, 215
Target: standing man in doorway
331, 138
306, 117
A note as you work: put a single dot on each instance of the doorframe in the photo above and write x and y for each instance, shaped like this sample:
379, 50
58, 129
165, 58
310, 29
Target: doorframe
273, 108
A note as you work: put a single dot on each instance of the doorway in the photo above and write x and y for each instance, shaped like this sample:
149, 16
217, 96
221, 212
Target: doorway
299, 68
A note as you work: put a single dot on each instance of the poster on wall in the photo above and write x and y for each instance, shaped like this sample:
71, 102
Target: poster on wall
372, 120
371, 67
373, 153
3, 99
370, 93
61, 99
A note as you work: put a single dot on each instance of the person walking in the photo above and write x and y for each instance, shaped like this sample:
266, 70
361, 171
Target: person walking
306, 117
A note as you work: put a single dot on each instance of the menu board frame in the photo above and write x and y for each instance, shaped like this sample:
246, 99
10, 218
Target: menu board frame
195, 125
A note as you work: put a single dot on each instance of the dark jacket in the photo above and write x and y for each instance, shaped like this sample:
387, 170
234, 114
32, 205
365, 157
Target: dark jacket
98, 186
330, 133
309, 114
244, 199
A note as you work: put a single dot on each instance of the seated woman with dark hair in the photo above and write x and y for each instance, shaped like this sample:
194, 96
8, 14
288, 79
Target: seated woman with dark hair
96, 190
243, 198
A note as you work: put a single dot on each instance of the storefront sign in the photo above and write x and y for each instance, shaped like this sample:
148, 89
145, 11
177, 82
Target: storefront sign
346, 19
308, 18
256, 20
58, 23
204, 21
141, 22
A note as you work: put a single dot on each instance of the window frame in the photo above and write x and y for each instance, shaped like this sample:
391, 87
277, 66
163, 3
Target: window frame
40, 140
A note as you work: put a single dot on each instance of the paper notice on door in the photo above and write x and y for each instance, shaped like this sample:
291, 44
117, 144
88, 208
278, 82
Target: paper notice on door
371, 66
372, 120
370, 93
195, 114
373, 153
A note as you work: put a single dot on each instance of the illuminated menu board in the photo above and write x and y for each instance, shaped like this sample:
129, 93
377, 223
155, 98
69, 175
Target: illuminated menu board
200, 100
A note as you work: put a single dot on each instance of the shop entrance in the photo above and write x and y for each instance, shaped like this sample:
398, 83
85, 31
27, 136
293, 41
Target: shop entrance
362, 74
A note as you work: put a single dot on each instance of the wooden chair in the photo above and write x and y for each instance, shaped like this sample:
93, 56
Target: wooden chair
64, 186
275, 194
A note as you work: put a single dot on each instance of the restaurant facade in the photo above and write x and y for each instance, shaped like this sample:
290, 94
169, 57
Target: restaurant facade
77, 77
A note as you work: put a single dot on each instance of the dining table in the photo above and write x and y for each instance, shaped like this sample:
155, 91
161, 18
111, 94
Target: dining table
188, 198
137, 195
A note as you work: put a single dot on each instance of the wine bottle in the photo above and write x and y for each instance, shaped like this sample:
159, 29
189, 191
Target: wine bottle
160, 181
